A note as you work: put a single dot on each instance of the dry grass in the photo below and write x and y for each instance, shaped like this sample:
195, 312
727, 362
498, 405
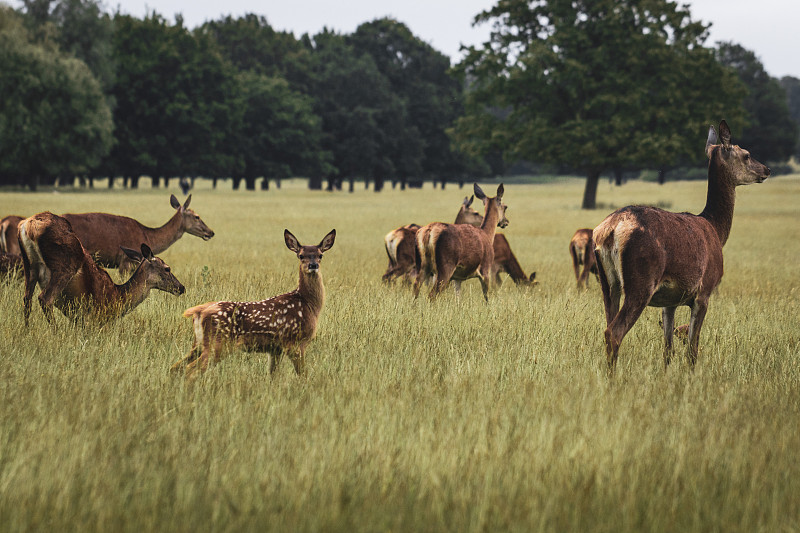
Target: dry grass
451, 416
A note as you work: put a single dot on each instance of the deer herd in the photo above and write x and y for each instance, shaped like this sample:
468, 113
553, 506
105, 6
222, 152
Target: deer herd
650, 256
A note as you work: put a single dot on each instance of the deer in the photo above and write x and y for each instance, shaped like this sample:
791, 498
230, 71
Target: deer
581, 248
460, 251
54, 258
8, 234
662, 259
103, 234
282, 324
10, 265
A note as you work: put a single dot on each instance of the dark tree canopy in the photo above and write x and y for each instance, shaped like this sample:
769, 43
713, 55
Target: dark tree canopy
769, 131
597, 85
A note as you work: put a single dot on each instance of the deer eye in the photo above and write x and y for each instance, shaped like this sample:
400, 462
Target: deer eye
166, 270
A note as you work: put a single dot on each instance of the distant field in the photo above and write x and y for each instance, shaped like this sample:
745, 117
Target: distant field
451, 416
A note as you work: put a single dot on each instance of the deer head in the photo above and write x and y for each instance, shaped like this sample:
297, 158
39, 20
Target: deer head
190, 221
502, 221
157, 273
736, 161
309, 256
467, 215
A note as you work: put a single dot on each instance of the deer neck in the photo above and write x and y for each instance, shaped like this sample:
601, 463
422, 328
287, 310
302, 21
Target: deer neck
165, 236
719, 201
133, 292
311, 290
490, 220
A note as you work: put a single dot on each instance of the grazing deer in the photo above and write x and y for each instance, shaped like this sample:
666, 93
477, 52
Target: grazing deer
581, 248
285, 323
506, 261
664, 259
53, 257
103, 234
8, 234
460, 251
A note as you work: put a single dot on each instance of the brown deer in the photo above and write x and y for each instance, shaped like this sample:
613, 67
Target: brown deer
53, 257
10, 265
581, 248
664, 259
285, 323
8, 234
460, 251
103, 234
506, 261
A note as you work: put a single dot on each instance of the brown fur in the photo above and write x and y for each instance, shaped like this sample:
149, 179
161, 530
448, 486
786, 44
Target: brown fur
102, 234
284, 323
10, 265
581, 248
8, 234
401, 246
460, 251
664, 259
54, 258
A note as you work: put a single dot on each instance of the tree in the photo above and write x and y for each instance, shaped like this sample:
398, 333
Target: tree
53, 116
433, 98
791, 85
596, 85
769, 131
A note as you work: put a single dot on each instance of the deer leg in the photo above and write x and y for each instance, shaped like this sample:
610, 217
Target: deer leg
575, 265
30, 286
193, 354
611, 293
443, 276
668, 323
699, 308
275, 359
631, 310
56, 283
298, 358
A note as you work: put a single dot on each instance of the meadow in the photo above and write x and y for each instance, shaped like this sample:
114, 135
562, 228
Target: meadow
413, 416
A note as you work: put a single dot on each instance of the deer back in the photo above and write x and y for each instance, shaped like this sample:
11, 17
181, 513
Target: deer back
9, 242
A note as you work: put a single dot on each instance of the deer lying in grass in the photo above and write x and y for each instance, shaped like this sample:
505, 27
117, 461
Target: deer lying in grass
285, 323
460, 251
8, 234
664, 259
581, 248
54, 258
103, 234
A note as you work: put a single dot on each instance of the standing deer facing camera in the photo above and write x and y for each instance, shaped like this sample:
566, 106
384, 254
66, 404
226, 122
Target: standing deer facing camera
664, 259
284, 323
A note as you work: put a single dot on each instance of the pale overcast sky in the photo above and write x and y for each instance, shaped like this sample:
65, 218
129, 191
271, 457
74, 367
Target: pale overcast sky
767, 27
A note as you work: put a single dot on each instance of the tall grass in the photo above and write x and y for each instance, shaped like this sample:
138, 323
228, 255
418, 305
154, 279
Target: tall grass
414, 416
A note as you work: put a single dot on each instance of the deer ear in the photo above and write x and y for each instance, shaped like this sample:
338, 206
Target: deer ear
725, 134
133, 255
468, 201
174, 201
500, 191
186, 203
478, 192
327, 241
291, 241
712, 141
147, 253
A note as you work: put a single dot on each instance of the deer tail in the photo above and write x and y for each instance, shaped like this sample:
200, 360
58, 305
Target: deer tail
197, 309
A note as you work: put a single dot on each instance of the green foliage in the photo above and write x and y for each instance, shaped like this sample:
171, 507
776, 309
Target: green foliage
769, 129
53, 116
791, 85
451, 416
595, 85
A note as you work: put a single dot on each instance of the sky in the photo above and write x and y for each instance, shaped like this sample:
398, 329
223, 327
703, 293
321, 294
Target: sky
769, 28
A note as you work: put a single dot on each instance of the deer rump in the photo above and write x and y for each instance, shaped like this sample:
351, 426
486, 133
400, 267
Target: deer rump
461, 247
664, 258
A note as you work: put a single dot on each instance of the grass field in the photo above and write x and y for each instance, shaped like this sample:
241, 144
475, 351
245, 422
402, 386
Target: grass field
413, 416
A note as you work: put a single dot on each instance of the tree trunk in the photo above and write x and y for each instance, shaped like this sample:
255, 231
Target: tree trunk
155, 182
352, 186
237, 180
250, 183
617, 177
265, 184
278, 183
662, 176
111, 182
590, 192
315, 184
213, 183
135, 182
378, 184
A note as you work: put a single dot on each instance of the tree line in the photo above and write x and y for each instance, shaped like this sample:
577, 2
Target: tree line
607, 86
